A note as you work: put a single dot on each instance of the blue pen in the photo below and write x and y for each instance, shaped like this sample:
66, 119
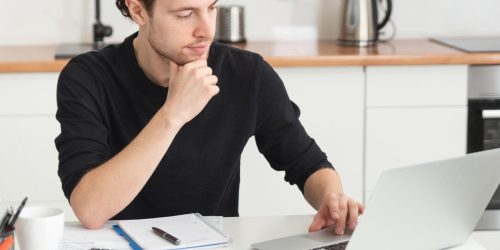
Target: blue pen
131, 242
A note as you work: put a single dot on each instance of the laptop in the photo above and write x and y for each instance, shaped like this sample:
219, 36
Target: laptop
434, 205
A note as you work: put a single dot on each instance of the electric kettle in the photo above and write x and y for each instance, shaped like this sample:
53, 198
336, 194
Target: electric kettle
360, 26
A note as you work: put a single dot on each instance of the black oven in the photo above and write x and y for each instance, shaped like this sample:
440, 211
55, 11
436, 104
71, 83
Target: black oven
483, 123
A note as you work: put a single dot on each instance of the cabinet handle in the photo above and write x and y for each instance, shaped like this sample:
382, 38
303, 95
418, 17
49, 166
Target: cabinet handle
491, 113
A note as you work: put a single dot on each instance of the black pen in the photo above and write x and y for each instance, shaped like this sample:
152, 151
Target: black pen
14, 218
166, 236
5, 221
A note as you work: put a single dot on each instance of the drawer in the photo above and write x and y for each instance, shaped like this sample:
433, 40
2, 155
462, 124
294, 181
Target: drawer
434, 85
28, 93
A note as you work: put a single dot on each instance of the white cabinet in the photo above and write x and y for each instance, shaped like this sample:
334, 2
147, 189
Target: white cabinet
414, 114
413, 86
28, 157
331, 100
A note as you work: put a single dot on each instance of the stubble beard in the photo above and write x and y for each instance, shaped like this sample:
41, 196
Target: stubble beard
166, 56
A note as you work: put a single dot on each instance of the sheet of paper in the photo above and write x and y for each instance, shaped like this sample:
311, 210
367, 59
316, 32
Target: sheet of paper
216, 221
76, 237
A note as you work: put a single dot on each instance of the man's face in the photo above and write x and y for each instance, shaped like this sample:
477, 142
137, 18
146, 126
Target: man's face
182, 30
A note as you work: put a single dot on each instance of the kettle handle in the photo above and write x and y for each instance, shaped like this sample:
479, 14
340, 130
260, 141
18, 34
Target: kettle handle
387, 15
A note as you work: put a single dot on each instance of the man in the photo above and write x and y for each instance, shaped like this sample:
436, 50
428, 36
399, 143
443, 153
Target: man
156, 125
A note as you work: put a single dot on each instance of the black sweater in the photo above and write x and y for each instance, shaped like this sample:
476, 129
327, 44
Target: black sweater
104, 100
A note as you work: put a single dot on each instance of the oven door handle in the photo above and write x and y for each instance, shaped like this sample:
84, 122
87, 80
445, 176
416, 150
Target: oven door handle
491, 113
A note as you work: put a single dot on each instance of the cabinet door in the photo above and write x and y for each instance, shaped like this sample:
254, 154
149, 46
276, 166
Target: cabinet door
28, 127
331, 103
414, 114
398, 137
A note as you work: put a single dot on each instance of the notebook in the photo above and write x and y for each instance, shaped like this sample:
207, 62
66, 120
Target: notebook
191, 229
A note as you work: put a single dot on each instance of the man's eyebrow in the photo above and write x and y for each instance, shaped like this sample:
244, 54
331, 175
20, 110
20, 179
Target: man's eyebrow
213, 3
190, 7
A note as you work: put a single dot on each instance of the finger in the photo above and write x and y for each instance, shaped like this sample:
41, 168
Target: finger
333, 208
342, 216
210, 80
317, 224
195, 64
208, 71
204, 71
214, 90
353, 214
361, 208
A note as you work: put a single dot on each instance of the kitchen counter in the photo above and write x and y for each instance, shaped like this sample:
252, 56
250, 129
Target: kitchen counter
40, 58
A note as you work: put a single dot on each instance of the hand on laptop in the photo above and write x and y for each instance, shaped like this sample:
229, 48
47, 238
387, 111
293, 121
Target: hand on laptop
339, 210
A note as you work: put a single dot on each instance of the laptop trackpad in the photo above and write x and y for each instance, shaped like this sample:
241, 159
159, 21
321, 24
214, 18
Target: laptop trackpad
327, 235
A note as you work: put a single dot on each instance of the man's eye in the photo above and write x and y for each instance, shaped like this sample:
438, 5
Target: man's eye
184, 15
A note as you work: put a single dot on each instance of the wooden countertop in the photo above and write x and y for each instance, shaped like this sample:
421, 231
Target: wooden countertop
38, 58
285, 54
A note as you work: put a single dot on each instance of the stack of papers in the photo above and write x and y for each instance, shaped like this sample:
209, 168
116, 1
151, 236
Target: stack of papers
76, 237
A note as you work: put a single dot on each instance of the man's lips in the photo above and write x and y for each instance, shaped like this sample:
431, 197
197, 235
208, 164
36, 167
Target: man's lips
198, 48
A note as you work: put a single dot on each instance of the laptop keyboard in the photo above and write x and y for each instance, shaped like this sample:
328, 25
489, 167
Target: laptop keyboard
336, 246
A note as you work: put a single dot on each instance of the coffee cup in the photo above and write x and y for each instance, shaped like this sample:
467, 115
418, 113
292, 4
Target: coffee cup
39, 228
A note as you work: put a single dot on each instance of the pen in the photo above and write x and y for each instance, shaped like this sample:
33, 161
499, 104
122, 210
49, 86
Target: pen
166, 236
5, 220
14, 218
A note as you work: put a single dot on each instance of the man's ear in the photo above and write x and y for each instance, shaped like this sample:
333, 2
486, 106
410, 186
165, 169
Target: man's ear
137, 11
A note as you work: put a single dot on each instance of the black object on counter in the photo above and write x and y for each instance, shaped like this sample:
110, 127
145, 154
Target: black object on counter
100, 31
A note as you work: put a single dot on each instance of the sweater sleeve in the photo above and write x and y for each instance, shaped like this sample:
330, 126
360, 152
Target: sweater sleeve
279, 135
82, 143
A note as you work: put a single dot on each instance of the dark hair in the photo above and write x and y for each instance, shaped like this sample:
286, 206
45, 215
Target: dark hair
124, 9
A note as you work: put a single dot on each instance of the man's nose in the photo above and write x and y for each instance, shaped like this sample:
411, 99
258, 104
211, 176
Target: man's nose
203, 27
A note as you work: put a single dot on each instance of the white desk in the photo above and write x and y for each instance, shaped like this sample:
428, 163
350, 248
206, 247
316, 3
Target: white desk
247, 230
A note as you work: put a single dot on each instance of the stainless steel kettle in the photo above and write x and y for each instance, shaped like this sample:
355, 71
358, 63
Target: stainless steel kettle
360, 26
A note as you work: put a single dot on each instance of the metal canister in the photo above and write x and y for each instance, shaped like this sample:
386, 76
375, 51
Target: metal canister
230, 24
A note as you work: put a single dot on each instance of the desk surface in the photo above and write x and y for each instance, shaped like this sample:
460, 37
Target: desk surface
247, 230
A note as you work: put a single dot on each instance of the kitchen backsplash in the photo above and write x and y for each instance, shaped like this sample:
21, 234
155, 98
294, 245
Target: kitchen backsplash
56, 21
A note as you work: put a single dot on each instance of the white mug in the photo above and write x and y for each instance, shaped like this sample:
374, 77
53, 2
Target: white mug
39, 228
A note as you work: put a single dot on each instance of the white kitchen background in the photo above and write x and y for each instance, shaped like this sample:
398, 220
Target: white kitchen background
364, 137
57, 21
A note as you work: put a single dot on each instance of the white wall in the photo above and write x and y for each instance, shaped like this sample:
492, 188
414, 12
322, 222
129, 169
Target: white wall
55, 21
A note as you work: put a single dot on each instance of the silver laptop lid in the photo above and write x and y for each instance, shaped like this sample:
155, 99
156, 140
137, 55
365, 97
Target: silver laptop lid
428, 206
